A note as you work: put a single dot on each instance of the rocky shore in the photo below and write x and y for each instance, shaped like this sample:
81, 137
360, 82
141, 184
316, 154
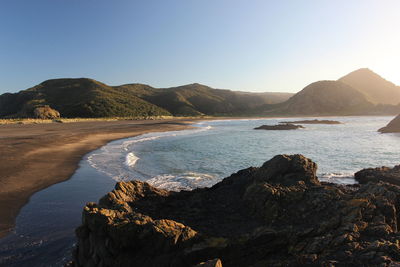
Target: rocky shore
36, 156
381, 174
279, 214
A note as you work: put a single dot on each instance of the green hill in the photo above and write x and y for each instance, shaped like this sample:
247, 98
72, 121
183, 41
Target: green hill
89, 98
198, 99
77, 98
374, 87
359, 93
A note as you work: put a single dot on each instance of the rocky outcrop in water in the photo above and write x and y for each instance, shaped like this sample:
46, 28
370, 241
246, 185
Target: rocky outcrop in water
381, 174
283, 126
279, 214
392, 127
313, 122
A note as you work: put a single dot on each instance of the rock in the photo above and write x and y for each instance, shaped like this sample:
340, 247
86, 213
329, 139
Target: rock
285, 126
276, 215
392, 127
210, 263
384, 174
46, 112
313, 122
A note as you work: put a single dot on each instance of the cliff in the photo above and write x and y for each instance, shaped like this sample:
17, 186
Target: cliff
276, 215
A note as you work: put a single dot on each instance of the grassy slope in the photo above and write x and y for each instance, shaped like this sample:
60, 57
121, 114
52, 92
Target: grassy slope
77, 98
196, 99
90, 98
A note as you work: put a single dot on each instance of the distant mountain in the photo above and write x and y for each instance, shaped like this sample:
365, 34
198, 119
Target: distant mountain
376, 89
323, 98
198, 99
77, 98
361, 92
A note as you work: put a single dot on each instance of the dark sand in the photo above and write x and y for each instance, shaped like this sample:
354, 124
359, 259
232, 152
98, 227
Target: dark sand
36, 156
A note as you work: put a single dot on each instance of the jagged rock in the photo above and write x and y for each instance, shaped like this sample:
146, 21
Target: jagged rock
283, 126
210, 263
46, 112
313, 122
392, 127
276, 215
384, 174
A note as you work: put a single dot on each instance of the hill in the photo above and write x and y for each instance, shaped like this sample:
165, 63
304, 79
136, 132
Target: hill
197, 99
361, 92
374, 87
323, 98
84, 97
77, 98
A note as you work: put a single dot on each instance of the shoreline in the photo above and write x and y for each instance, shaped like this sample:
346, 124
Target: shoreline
37, 156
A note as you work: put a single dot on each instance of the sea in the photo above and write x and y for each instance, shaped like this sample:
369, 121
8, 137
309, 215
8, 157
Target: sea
188, 159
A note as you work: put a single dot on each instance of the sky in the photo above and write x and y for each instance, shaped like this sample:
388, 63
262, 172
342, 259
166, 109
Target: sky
247, 45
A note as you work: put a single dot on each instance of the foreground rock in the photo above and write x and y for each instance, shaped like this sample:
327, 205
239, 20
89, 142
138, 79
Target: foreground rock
382, 174
275, 215
392, 127
284, 126
313, 122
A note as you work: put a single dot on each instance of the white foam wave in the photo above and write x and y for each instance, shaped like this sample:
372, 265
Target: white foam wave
337, 178
185, 181
130, 159
117, 159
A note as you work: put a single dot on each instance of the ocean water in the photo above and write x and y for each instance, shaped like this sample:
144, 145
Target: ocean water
44, 233
202, 157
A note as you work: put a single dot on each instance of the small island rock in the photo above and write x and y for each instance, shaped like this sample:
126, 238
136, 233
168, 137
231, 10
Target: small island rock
284, 126
313, 122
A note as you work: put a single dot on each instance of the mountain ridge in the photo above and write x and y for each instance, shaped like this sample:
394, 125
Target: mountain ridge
85, 97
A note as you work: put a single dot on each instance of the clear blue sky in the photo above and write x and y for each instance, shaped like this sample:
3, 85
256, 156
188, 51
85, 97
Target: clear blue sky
250, 45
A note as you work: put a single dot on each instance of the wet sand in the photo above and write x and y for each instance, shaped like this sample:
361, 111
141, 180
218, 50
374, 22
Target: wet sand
36, 156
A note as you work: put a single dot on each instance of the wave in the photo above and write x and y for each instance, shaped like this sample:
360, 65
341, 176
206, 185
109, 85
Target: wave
117, 159
185, 181
131, 159
337, 178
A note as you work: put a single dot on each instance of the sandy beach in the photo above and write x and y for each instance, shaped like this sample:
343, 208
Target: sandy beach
36, 156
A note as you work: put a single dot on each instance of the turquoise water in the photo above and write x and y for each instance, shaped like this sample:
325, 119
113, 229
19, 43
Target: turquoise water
202, 157
44, 233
